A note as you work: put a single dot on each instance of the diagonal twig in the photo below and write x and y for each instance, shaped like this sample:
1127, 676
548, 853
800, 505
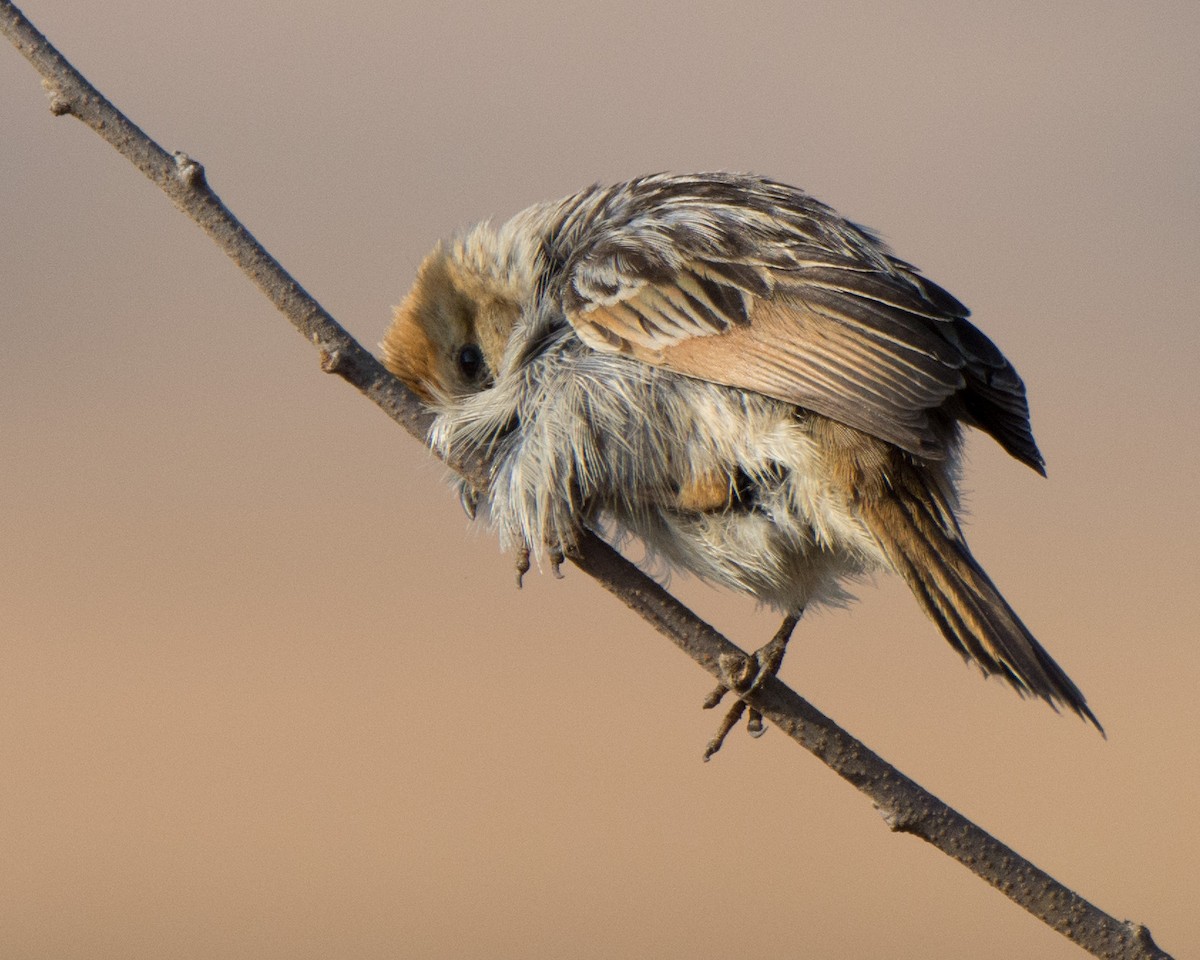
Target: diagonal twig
905, 805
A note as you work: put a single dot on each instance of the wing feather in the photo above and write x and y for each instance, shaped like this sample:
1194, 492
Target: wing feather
753, 284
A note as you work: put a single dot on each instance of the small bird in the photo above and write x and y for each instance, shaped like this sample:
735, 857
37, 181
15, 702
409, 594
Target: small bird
723, 367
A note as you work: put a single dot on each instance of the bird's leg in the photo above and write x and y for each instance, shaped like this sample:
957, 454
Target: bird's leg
754, 673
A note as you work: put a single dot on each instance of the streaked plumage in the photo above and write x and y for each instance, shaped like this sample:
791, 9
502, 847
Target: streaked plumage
727, 369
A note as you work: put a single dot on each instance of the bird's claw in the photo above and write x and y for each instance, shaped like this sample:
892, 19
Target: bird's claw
746, 675
728, 723
522, 564
557, 556
468, 499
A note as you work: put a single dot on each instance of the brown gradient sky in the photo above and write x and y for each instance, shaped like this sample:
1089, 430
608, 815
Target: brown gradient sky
264, 693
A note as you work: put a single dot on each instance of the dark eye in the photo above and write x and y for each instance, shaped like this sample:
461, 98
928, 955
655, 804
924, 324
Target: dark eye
470, 362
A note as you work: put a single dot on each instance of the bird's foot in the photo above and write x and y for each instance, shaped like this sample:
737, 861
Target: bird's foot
522, 564
556, 555
746, 675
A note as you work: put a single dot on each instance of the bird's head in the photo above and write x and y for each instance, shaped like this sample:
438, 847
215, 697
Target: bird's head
448, 337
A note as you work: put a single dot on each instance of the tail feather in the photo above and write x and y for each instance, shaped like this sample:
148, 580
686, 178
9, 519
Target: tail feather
917, 531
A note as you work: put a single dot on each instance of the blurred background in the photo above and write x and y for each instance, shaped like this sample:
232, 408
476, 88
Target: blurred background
264, 691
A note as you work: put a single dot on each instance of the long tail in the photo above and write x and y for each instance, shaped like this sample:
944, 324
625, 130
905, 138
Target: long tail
920, 536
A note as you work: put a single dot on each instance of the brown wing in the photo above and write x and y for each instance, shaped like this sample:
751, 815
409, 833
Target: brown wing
752, 284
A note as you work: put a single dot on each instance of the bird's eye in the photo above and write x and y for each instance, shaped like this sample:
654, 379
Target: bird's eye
470, 362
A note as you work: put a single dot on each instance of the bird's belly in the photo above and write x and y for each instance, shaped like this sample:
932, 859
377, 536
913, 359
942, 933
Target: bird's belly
791, 541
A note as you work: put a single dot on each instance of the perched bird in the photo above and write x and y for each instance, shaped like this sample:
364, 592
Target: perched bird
725, 368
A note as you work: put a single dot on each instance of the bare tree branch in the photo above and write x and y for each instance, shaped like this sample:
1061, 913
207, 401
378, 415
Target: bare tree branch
905, 805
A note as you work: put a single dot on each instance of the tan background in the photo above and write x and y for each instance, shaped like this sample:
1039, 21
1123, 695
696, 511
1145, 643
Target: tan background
263, 693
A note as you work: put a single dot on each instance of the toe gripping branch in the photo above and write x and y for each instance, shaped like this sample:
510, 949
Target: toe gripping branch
746, 675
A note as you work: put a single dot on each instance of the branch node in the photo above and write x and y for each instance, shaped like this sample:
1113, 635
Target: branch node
1140, 934
59, 104
190, 172
332, 360
898, 819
